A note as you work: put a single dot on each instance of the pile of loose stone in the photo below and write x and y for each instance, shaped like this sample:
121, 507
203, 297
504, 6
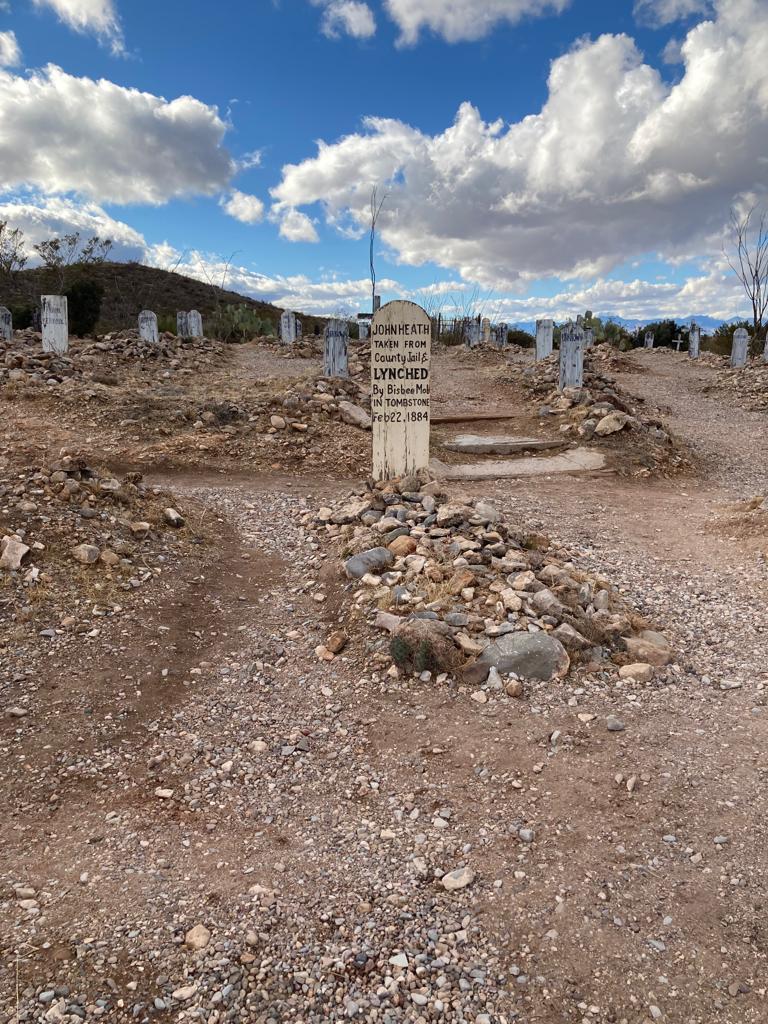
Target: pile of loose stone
319, 399
601, 410
747, 386
464, 596
22, 359
74, 540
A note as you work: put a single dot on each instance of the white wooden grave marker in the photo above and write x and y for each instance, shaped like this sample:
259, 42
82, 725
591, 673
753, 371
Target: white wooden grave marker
363, 329
401, 344
182, 324
54, 322
502, 333
545, 333
649, 339
589, 337
6, 324
194, 324
148, 326
336, 342
694, 341
288, 327
473, 333
571, 356
486, 329
740, 347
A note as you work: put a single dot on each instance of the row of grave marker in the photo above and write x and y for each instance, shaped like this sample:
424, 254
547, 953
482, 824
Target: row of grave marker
54, 324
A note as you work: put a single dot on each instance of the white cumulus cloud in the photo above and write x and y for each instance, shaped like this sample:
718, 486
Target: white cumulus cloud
96, 16
10, 52
617, 163
295, 226
243, 207
663, 12
457, 20
347, 17
61, 133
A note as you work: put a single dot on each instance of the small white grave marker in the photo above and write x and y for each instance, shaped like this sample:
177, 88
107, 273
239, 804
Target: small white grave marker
54, 322
148, 326
486, 329
694, 341
336, 343
545, 333
401, 344
6, 324
571, 356
649, 339
473, 333
363, 329
288, 328
740, 347
194, 324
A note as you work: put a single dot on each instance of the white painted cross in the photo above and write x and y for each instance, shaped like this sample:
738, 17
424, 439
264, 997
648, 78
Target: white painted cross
6, 324
54, 321
571, 356
148, 326
401, 344
336, 343
740, 347
545, 333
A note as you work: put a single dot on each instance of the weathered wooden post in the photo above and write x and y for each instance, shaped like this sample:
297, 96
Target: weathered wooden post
571, 356
287, 327
502, 333
694, 341
401, 344
363, 330
649, 339
336, 344
148, 326
589, 338
472, 333
545, 333
740, 348
54, 322
6, 324
194, 324
182, 324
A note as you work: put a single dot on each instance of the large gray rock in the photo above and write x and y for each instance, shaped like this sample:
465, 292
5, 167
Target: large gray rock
354, 415
373, 560
528, 655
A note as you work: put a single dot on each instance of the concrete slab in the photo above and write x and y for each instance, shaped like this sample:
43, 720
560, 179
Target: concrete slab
580, 460
476, 444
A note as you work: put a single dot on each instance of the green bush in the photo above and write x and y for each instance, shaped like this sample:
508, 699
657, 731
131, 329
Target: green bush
521, 338
232, 324
22, 316
84, 307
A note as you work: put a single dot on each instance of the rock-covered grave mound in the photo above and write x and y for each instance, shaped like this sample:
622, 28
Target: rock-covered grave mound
465, 595
601, 413
746, 387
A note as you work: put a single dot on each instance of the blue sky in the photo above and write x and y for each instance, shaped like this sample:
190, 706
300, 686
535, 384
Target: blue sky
538, 157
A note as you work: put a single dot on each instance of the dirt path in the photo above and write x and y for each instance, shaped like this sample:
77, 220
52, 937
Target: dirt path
310, 803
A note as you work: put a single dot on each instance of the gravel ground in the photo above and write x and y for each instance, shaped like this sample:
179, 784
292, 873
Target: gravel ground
267, 844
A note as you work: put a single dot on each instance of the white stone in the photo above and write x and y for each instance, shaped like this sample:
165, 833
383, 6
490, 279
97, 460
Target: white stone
194, 324
148, 326
571, 356
458, 879
54, 320
6, 324
401, 345
336, 346
740, 348
545, 333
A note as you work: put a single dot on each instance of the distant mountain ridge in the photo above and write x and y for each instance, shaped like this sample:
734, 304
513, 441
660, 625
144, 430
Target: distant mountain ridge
707, 323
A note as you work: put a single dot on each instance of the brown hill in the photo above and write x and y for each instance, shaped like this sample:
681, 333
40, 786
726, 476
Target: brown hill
131, 287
